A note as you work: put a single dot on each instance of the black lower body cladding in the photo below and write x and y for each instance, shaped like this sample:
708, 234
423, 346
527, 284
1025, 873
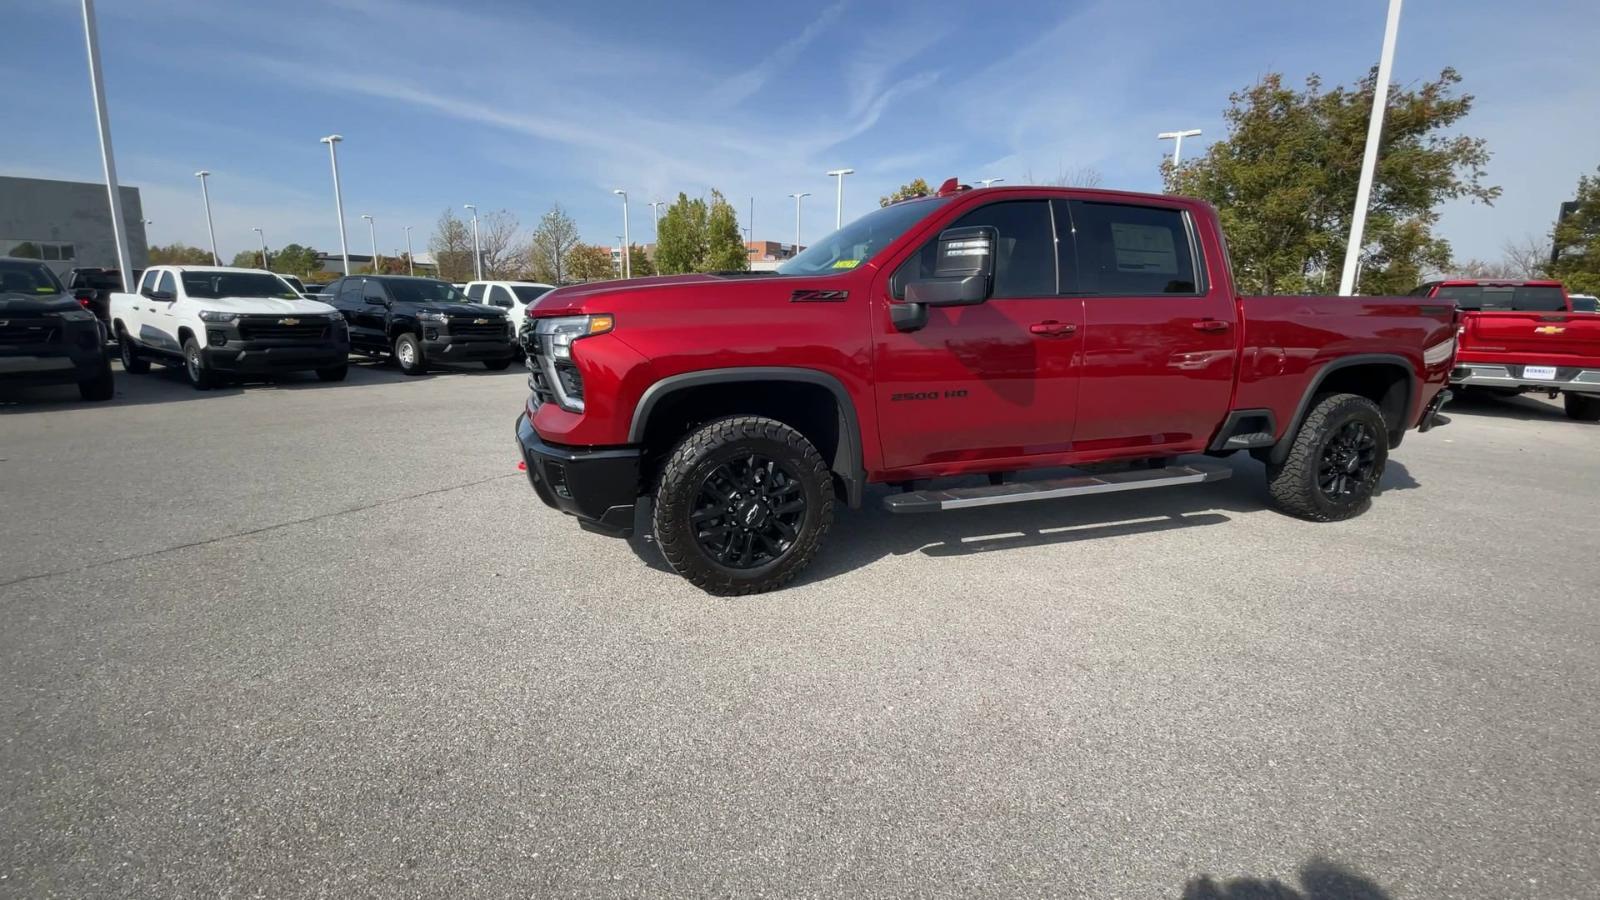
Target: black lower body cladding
600, 487
448, 349
55, 363
265, 357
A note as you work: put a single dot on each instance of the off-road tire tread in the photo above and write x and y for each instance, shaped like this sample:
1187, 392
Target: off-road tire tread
1581, 407
1290, 483
678, 547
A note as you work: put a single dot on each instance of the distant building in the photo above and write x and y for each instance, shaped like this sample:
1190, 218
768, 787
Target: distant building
770, 251
333, 263
68, 223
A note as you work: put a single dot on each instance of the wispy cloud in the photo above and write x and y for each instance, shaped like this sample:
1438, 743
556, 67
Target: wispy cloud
748, 83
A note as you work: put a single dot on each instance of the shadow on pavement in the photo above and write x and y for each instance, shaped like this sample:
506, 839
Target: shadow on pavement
1523, 408
1319, 879
862, 536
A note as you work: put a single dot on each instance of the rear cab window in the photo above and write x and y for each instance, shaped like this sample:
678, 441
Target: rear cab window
1505, 297
1126, 250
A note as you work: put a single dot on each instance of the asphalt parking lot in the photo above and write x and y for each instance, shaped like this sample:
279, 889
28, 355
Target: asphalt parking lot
307, 639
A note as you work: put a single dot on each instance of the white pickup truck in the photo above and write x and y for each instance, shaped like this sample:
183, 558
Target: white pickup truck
215, 321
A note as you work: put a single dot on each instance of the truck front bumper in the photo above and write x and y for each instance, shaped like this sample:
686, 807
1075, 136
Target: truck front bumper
1513, 377
78, 355
600, 487
447, 349
266, 357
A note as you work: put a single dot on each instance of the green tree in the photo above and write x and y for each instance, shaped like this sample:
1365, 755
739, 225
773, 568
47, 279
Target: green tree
1577, 240
294, 259
451, 244
694, 236
180, 254
1284, 181
725, 249
590, 262
246, 259
916, 187
552, 240
639, 262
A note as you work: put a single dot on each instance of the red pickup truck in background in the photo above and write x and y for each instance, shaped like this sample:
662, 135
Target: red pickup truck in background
1524, 337
974, 332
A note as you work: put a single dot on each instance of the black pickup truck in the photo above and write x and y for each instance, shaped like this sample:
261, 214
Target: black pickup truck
420, 322
46, 335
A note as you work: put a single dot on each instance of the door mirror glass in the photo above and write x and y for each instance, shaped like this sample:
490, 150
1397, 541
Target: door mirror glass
963, 269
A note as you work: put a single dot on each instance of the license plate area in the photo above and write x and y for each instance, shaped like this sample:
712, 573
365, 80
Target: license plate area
1539, 373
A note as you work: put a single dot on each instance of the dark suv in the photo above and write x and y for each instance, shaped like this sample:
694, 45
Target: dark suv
93, 287
420, 322
47, 336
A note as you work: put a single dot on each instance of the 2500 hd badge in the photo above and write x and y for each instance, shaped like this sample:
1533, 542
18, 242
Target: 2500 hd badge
927, 395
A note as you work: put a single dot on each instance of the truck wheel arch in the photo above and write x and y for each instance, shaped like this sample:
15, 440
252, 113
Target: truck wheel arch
1401, 405
846, 459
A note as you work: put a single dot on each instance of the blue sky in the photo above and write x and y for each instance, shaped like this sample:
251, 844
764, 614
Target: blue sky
518, 105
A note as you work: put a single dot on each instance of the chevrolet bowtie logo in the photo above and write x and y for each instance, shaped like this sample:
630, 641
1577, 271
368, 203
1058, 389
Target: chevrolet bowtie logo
480, 321
288, 321
1549, 329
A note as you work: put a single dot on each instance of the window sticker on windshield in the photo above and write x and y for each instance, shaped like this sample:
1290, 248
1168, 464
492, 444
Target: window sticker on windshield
1144, 248
847, 263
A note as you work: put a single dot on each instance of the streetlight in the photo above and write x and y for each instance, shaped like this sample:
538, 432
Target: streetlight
1177, 143
627, 264
622, 256
265, 263
338, 198
988, 181
206, 195
838, 204
91, 38
411, 259
477, 255
797, 199
373, 234
655, 216
1369, 159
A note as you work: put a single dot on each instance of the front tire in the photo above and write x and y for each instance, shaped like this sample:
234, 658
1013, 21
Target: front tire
101, 387
742, 506
1335, 463
201, 378
408, 354
1582, 407
334, 373
132, 362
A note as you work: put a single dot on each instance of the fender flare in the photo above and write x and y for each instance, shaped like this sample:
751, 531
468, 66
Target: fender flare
1280, 450
847, 461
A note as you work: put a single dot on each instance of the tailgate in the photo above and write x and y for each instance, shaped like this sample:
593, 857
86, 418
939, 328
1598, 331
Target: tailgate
1574, 337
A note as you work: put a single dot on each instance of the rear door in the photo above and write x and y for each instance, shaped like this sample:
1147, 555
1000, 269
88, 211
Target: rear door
1160, 340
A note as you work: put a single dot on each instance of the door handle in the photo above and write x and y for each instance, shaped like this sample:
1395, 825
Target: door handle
1210, 325
1053, 328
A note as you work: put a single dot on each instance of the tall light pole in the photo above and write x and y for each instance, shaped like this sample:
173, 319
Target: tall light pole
206, 196
91, 38
477, 255
838, 203
411, 258
988, 181
627, 264
265, 262
338, 197
1177, 143
797, 199
1369, 159
373, 234
622, 256
655, 216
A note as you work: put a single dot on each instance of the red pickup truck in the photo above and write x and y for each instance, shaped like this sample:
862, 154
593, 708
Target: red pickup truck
1524, 337
977, 332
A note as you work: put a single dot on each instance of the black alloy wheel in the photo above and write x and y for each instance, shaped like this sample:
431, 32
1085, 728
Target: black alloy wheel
1349, 462
748, 511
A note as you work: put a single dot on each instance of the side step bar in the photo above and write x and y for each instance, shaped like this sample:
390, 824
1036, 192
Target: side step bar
1075, 486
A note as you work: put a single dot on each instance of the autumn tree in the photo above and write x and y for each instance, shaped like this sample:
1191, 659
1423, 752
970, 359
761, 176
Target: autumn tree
549, 245
916, 187
1577, 240
639, 263
180, 254
246, 259
497, 235
1284, 181
451, 245
590, 262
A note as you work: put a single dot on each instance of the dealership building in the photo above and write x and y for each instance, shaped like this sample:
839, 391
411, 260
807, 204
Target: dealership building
68, 223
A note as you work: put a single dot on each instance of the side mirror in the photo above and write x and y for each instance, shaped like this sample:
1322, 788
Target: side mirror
963, 275
376, 301
162, 296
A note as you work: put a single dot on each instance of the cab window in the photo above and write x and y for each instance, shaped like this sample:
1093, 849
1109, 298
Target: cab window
1025, 250
475, 291
169, 285
148, 283
498, 296
1132, 251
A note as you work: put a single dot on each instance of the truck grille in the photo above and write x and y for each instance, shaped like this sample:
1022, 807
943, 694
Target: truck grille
462, 326
536, 378
275, 329
27, 332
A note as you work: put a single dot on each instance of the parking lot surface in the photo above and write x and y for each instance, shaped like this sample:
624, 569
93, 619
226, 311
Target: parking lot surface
320, 639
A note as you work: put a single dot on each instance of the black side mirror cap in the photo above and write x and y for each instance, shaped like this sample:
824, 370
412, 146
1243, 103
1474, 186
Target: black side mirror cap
965, 290
162, 296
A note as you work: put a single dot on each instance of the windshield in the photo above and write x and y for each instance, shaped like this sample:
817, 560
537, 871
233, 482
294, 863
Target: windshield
294, 282
214, 285
527, 293
1522, 297
31, 279
859, 241
1585, 303
423, 290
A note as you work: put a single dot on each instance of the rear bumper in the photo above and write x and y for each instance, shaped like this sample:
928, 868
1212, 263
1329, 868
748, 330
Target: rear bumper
600, 487
1512, 376
261, 357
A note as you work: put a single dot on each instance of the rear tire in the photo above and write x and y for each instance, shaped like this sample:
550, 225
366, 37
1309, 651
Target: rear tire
1582, 407
334, 373
742, 506
497, 365
132, 362
194, 365
408, 354
101, 387
1335, 463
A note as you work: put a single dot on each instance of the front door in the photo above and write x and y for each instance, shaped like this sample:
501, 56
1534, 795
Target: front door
1160, 340
157, 325
990, 382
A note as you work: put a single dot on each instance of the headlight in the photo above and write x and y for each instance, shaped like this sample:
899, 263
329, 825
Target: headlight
433, 317
554, 339
212, 315
73, 315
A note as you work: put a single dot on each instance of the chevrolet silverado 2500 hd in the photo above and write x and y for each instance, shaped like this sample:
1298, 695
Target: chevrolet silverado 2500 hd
974, 332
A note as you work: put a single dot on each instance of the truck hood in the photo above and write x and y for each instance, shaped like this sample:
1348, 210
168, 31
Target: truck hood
475, 310
270, 306
575, 298
25, 305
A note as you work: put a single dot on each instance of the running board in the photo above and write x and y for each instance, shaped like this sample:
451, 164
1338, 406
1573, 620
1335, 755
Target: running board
1075, 486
